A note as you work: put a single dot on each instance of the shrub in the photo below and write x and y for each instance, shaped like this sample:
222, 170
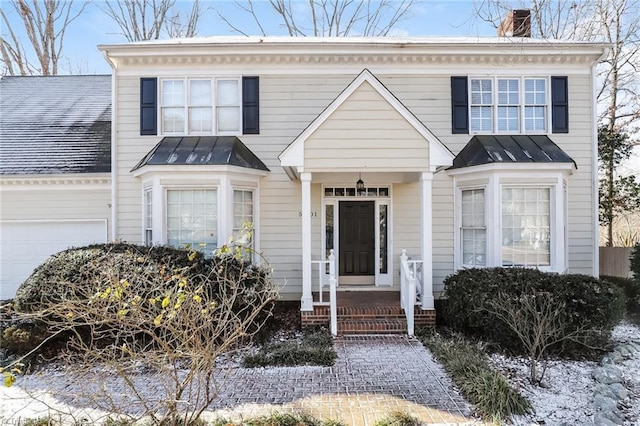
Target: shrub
314, 348
22, 337
635, 263
469, 369
126, 308
590, 306
631, 289
399, 418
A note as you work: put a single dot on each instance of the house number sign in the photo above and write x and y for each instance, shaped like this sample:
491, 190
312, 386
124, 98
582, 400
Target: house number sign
313, 214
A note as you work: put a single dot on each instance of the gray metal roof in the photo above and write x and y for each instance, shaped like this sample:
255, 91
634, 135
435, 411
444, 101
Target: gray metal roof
202, 150
487, 149
55, 124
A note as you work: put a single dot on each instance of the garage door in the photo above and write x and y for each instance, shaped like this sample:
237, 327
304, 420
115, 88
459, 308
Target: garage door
25, 245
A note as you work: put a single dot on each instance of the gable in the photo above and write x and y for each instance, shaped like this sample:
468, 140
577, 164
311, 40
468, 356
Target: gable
366, 126
366, 131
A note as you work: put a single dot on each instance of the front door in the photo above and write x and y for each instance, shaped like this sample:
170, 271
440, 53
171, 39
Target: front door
357, 242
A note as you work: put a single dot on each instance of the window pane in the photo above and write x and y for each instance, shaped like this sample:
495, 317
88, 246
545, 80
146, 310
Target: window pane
173, 120
200, 93
172, 93
228, 93
382, 220
192, 219
526, 237
481, 119
508, 118
228, 119
200, 120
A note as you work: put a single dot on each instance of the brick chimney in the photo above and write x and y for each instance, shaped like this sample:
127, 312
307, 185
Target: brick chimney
516, 24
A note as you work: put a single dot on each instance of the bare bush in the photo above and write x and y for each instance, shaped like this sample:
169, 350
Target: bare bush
539, 321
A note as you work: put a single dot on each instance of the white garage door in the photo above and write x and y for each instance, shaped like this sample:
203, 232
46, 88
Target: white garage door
25, 245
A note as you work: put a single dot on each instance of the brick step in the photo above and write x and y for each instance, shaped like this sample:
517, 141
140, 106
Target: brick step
379, 326
370, 311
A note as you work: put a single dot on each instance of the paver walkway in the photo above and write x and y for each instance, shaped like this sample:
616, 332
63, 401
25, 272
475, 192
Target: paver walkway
372, 377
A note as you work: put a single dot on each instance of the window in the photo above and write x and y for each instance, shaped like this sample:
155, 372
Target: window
535, 105
228, 105
473, 229
242, 212
148, 217
508, 105
188, 105
192, 217
526, 230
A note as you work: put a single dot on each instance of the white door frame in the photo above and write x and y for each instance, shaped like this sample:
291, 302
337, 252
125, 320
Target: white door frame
380, 279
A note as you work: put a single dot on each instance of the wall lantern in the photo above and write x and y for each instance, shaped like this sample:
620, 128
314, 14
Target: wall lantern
360, 184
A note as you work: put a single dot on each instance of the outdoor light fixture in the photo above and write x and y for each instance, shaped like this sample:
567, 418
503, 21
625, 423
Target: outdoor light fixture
360, 183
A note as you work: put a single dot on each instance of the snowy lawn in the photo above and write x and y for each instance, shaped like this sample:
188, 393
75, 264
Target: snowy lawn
566, 394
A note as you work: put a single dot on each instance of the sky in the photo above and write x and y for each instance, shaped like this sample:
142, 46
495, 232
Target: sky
94, 27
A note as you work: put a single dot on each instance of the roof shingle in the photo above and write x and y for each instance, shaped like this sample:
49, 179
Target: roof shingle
55, 124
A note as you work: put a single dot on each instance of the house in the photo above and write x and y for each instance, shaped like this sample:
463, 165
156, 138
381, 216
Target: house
401, 159
55, 169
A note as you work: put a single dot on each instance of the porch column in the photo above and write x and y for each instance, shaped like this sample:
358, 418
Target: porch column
426, 179
307, 298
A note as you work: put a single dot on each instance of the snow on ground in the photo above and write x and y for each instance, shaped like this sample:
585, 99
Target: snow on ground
566, 394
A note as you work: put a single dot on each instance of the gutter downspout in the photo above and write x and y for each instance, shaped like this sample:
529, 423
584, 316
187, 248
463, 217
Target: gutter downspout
114, 148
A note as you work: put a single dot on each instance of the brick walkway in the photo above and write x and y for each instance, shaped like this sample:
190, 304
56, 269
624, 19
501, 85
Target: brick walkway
373, 376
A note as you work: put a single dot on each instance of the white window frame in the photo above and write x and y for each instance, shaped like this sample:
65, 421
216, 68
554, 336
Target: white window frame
521, 105
187, 107
493, 178
460, 233
147, 216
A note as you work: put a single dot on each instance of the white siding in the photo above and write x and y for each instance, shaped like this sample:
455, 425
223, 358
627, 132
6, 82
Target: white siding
289, 102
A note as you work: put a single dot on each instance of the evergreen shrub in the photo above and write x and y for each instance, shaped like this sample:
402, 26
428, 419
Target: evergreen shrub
590, 305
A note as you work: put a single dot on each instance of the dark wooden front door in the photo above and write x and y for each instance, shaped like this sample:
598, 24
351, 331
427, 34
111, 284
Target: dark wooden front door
357, 238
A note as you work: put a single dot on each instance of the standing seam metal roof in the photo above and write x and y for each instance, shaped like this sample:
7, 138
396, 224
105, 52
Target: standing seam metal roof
487, 149
202, 150
55, 124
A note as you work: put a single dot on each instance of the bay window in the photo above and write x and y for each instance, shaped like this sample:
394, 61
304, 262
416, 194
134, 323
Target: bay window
511, 219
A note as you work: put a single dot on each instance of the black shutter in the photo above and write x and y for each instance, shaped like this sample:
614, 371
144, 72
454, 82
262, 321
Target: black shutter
459, 105
559, 105
148, 106
250, 105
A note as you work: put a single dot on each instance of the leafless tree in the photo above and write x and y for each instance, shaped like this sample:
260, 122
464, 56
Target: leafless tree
326, 18
616, 22
45, 24
152, 19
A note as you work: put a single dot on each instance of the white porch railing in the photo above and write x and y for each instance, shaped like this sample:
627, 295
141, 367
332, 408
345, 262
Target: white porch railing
322, 288
410, 288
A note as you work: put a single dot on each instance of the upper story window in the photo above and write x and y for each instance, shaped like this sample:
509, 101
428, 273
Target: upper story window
508, 105
201, 106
